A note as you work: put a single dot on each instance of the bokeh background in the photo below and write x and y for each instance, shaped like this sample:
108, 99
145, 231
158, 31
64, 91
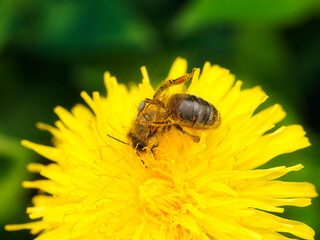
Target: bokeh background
51, 50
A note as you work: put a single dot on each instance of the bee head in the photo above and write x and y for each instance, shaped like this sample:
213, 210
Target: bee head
140, 146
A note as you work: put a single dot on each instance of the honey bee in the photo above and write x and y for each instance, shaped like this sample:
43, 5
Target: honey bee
162, 113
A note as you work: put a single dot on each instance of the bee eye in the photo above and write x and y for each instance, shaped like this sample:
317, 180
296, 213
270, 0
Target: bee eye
142, 105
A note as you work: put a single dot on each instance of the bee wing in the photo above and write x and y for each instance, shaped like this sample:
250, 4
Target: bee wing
155, 109
159, 100
175, 103
166, 89
162, 115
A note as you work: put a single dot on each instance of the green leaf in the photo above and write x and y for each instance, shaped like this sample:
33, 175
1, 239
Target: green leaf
13, 161
81, 27
6, 18
204, 13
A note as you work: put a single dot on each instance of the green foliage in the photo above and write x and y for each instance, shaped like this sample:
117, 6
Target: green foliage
69, 27
13, 161
273, 13
5, 20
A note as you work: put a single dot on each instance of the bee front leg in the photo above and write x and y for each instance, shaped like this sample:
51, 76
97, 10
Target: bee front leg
193, 135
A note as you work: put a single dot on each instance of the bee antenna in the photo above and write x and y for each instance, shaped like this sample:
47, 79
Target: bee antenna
128, 144
118, 139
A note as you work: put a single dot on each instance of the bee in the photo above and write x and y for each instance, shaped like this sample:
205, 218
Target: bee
164, 112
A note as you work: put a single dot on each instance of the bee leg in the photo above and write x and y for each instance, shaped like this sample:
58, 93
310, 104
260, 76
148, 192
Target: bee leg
194, 136
153, 147
160, 123
172, 82
156, 102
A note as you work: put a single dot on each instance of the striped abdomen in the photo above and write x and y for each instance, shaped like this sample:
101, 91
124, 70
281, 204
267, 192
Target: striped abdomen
192, 111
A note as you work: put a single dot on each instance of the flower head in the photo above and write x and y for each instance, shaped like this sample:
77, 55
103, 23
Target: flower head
99, 188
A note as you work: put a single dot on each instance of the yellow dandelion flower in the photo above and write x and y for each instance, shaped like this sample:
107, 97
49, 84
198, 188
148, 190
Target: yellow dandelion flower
98, 188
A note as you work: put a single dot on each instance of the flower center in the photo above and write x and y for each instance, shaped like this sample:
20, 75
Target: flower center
159, 197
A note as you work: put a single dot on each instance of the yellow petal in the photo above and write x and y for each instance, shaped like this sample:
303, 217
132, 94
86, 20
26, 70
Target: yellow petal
178, 69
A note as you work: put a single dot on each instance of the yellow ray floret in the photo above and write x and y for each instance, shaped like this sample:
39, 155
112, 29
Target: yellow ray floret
100, 188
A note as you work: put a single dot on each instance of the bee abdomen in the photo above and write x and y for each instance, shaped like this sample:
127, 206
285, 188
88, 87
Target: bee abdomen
194, 111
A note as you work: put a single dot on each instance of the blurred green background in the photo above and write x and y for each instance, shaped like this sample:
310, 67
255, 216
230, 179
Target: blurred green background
51, 50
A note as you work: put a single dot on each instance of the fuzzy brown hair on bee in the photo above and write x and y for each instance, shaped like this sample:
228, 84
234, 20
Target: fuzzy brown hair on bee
183, 112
